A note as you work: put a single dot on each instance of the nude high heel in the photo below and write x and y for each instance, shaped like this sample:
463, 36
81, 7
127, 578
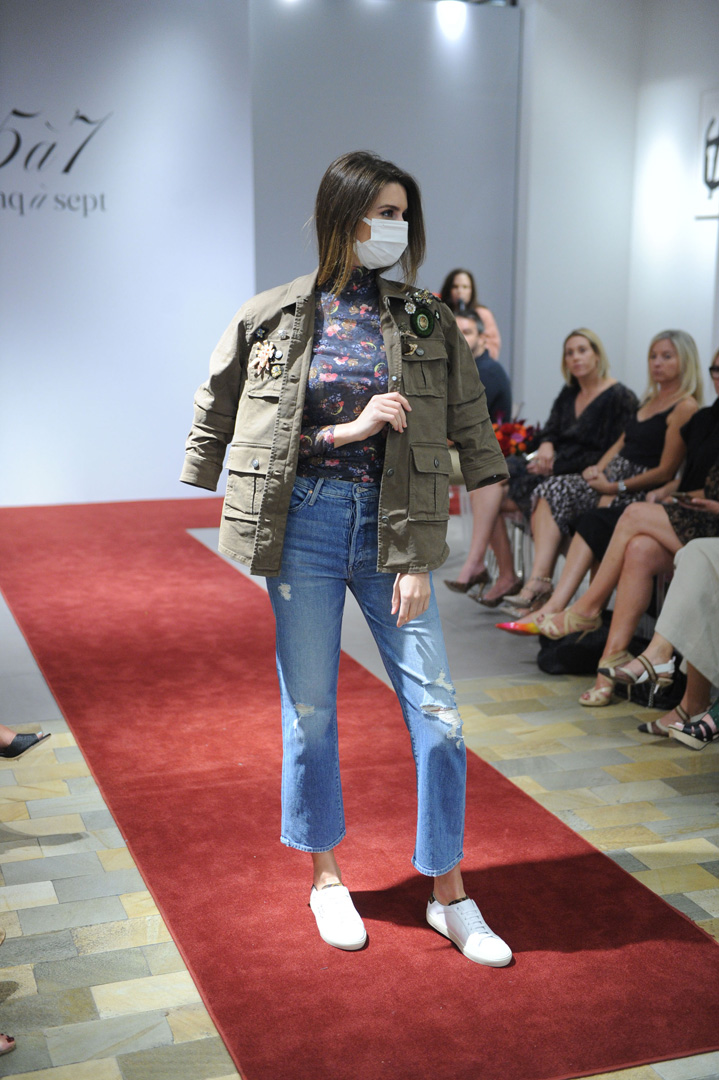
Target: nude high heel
659, 676
573, 623
599, 696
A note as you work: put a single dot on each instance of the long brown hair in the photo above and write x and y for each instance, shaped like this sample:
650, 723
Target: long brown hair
347, 191
446, 291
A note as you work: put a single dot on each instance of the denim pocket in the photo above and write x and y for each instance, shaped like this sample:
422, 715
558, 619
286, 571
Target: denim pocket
300, 497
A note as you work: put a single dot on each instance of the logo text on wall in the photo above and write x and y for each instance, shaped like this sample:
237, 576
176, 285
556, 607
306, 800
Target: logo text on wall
36, 146
707, 197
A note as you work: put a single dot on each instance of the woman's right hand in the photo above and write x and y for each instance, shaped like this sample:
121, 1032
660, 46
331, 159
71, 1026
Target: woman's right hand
542, 463
380, 410
590, 473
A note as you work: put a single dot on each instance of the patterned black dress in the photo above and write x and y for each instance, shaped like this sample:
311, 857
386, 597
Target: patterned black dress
578, 441
689, 523
570, 496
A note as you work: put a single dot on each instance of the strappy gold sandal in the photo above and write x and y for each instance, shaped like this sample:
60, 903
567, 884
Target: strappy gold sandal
610, 666
599, 696
573, 623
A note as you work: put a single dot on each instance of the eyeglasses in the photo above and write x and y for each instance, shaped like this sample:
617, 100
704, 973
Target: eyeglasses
714, 370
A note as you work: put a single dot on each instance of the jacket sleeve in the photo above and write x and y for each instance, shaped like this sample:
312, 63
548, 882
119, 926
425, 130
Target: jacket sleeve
468, 423
216, 404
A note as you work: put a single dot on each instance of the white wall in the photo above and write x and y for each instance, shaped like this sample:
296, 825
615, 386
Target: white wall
673, 262
577, 136
107, 320
332, 77
110, 306
608, 159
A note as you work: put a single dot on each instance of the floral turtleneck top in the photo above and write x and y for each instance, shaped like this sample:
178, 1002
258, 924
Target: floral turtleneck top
349, 366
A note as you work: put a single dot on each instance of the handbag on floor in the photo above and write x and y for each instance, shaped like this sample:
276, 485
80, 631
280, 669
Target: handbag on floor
575, 654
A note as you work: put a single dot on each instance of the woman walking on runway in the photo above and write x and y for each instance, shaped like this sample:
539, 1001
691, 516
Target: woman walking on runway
337, 394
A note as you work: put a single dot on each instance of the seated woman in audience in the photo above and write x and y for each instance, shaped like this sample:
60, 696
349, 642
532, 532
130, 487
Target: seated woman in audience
645, 456
643, 545
687, 623
459, 292
589, 414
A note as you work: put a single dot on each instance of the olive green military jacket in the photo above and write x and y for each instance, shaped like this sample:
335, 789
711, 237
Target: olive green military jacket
253, 401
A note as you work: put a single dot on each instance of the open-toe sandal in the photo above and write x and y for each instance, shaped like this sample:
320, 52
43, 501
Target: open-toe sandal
610, 665
573, 624
657, 677
10, 1044
597, 697
655, 727
700, 730
21, 744
530, 599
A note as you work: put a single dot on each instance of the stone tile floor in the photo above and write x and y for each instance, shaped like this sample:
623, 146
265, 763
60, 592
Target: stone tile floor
92, 985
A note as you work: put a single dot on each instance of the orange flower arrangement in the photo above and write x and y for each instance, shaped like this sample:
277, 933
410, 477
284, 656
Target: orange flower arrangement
514, 436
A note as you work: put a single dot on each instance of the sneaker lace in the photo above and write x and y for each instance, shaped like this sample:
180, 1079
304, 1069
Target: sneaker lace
475, 923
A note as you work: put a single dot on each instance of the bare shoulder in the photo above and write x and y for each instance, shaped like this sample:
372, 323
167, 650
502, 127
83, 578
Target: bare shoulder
684, 410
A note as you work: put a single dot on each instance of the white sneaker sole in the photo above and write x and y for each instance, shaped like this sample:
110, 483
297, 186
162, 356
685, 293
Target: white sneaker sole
352, 947
441, 927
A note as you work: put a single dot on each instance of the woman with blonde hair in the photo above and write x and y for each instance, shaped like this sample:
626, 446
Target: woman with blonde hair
646, 455
589, 414
642, 545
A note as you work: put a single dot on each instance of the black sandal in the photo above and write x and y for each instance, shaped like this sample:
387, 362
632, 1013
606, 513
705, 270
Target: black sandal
655, 727
698, 733
21, 744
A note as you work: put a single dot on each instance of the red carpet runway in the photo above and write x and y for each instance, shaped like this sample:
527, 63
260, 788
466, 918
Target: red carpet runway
161, 657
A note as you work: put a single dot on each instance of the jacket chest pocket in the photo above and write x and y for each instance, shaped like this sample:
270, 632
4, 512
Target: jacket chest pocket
247, 465
265, 369
429, 482
424, 370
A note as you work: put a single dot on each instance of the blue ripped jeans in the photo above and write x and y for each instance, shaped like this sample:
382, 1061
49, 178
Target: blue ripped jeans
331, 545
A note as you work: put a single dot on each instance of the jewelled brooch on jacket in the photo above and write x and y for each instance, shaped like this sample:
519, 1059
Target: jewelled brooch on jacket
421, 317
267, 359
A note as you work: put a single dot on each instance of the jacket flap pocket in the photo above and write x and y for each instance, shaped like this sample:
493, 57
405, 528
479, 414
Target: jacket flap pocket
431, 458
424, 349
269, 389
248, 458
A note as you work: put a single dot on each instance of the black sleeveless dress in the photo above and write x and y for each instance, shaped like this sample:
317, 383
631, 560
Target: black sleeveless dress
700, 435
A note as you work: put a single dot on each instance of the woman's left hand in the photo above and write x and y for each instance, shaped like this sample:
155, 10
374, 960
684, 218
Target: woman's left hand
410, 596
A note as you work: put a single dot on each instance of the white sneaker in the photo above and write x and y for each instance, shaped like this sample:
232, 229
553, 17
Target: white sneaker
337, 918
463, 924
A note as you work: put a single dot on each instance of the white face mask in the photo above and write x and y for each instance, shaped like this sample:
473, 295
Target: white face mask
386, 245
